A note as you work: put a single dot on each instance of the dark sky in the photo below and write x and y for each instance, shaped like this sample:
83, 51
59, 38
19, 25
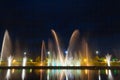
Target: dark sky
31, 20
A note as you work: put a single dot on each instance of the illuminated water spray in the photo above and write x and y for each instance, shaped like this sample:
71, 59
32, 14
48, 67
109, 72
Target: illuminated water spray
108, 57
85, 52
6, 47
24, 64
43, 52
72, 54
69, 56
9, 64
60, 55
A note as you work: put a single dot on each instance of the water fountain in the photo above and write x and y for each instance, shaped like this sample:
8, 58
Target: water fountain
43, 54
60, 58
108, 57
56, 56
6, 47
72, 54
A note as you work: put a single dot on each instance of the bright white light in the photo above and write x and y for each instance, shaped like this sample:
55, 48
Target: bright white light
48, 52
9, 64
8, 74
24, 61
24, 64
110, 76
97, 52
99, 77
25, 53
108, 57
9, 60
23, 74
66, 52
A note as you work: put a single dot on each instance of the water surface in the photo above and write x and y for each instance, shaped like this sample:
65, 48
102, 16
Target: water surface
58, 74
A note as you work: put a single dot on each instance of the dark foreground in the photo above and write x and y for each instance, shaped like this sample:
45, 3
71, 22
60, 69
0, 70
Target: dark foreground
61, 67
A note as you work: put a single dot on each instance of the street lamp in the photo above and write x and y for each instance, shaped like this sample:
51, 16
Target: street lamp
25, 53
48, 52
97, 52
66, 52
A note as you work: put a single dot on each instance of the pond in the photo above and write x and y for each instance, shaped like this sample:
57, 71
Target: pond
59, 74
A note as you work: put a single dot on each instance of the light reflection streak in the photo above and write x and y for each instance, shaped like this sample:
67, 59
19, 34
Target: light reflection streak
110, 77
106, 71
63, 74
48, 74
24, 64
86, 72
13, 70
109, 73
67, 75
41, 74
99, 76
8, 74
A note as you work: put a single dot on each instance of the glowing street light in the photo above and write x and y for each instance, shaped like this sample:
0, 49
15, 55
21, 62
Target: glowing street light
31, 60
66, 52
85, 59
14, 61
97, 52
48, 52
105, 60
25, 53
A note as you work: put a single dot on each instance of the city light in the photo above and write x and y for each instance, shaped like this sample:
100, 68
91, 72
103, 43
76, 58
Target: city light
48, 52
85, 60
97, 52
66, 52
14, 61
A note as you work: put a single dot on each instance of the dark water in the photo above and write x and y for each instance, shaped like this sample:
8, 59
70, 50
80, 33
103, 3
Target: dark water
76, 74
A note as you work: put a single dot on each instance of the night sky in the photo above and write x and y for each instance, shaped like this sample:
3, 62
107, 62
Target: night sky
30, 21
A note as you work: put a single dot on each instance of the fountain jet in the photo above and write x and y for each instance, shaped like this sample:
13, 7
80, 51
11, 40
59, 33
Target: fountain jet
60, 55
6, 47
85, 54
72, 42
43, 52
108, 57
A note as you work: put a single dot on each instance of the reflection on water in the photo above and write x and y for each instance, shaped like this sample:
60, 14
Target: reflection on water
24, 64
57, 74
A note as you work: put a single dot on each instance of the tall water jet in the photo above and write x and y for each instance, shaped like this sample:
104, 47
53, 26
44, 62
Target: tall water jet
60, 55
108, 57
6, 47
43, 52
72, 45
73, 39
85, 54
24, 64
9, 64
